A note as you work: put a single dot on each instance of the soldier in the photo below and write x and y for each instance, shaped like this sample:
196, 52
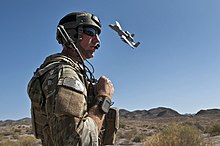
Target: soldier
67, 107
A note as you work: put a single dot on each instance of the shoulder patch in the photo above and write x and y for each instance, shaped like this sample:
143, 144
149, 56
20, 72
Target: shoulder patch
72, 84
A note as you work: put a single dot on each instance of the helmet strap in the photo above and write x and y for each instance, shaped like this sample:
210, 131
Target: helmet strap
80, 32
80, 36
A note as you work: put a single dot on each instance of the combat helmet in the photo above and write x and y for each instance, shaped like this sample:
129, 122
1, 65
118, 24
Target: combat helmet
74, 23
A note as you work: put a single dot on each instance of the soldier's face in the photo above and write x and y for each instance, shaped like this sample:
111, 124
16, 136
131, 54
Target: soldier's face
89, 41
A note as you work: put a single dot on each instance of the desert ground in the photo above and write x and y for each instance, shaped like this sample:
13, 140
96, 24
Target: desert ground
157, 127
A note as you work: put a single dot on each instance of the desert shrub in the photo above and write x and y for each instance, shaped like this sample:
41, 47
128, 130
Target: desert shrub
214, 130
121, 125
176, 135
195, 124
199, 126
17, 130
127, 135
138, 138
6, 133
130, 134
1, 137
9, 143
22, 141
120, 135
15, 136
29, 131
28, 141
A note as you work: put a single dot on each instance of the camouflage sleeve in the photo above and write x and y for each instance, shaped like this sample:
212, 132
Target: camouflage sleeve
66, 109
89, 133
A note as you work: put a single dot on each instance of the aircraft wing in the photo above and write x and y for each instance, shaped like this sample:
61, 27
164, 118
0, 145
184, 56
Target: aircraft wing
117, 29
112, 27
127, 41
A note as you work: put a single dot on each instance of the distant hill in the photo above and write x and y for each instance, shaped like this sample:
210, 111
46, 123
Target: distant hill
138, 114
208, 112
24, 121
152, 113
160, 112
164, 112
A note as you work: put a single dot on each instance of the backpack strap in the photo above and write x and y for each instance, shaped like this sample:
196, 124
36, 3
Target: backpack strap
41, 71
60, 58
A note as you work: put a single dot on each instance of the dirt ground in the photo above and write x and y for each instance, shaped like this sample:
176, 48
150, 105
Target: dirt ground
131, 132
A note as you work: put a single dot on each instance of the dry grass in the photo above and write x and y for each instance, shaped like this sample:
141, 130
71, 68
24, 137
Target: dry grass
176, 135
18, 135
22, 141
214, 129
149, 132
170, 132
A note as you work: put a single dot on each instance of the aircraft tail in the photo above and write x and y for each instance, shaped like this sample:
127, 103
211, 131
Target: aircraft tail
137, 44
118, 24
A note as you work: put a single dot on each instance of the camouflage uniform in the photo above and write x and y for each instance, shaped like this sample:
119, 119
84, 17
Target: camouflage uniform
65, 91
58, 91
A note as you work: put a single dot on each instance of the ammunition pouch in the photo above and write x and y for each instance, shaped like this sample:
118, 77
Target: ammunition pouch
38, 116
36, 95
111, 126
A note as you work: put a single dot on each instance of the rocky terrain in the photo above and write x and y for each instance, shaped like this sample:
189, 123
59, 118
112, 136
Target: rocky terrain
136, 127
146, 123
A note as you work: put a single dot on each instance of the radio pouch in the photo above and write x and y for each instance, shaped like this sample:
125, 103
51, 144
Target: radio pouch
111, 126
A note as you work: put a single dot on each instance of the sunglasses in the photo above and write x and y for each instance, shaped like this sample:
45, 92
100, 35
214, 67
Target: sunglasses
90, 31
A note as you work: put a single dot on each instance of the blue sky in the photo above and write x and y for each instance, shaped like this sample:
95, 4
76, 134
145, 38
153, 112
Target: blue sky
176, 65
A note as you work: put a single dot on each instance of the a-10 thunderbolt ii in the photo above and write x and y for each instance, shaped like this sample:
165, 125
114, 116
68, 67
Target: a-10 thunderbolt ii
125, 35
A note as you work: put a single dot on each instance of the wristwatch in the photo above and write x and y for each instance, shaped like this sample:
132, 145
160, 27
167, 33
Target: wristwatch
104, 104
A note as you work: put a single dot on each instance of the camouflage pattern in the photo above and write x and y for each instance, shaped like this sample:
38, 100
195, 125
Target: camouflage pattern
64, 88
111, 126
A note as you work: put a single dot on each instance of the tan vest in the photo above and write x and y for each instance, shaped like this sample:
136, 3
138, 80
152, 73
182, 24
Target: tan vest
36, 90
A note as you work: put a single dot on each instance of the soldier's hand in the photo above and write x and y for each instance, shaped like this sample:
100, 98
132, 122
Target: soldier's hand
105, 87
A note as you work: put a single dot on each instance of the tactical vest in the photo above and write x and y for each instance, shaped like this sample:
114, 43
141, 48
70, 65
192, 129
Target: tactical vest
36, 95
35, 91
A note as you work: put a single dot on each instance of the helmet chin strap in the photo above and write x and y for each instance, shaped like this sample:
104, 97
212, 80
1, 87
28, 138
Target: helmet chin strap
84, 53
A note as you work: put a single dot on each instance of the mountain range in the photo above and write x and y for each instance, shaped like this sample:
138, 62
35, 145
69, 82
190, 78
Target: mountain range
160, 112
163, 112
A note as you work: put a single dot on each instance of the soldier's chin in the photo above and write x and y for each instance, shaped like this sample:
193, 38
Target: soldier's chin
90, 54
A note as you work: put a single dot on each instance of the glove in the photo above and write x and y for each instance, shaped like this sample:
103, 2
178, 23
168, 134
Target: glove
104, 87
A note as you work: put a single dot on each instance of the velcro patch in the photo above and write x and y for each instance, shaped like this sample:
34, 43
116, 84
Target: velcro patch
72, 83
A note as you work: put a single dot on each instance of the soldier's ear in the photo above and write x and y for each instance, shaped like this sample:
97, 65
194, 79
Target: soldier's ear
80, 33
